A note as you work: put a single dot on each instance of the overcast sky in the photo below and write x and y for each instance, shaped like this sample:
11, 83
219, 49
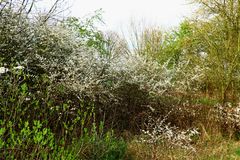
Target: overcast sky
117, 14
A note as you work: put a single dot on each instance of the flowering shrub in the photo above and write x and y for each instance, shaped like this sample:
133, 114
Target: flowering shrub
159, 132
87, 69
124, 84
24, 37
229, 117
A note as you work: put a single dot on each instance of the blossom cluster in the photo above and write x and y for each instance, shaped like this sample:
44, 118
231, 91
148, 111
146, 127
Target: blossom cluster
160, 132
228, 114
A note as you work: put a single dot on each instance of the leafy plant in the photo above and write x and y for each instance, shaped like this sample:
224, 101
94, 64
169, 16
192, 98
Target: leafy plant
26, 140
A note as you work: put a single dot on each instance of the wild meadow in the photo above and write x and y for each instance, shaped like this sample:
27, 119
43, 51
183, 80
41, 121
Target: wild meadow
69, 90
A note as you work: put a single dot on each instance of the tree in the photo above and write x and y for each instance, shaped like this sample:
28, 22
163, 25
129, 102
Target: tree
216, 30
86, 31
161, 45
115, 45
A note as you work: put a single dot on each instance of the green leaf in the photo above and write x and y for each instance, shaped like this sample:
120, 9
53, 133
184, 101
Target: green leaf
2, 131
24, 88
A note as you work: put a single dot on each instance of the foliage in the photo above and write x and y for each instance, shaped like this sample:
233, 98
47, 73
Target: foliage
46, 127
162, 46
216, 32
29, 141
66, 85
33, 141
96, 144
86, 31
120, 82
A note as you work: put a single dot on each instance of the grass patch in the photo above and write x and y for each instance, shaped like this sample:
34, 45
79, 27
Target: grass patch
217, 148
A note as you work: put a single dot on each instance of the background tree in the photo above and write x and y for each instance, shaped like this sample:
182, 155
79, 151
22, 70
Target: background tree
161, 45
216, 30
115, 45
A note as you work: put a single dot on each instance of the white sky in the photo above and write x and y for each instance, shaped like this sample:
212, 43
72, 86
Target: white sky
118, 13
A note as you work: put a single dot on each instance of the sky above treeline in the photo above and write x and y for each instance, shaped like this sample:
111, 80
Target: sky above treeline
117, 14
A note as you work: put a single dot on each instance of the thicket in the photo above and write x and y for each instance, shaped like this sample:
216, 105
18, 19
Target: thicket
70, 91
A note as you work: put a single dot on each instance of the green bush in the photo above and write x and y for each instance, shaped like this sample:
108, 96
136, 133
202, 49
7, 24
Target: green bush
33, 141
29, 141
37, 124
97, 145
